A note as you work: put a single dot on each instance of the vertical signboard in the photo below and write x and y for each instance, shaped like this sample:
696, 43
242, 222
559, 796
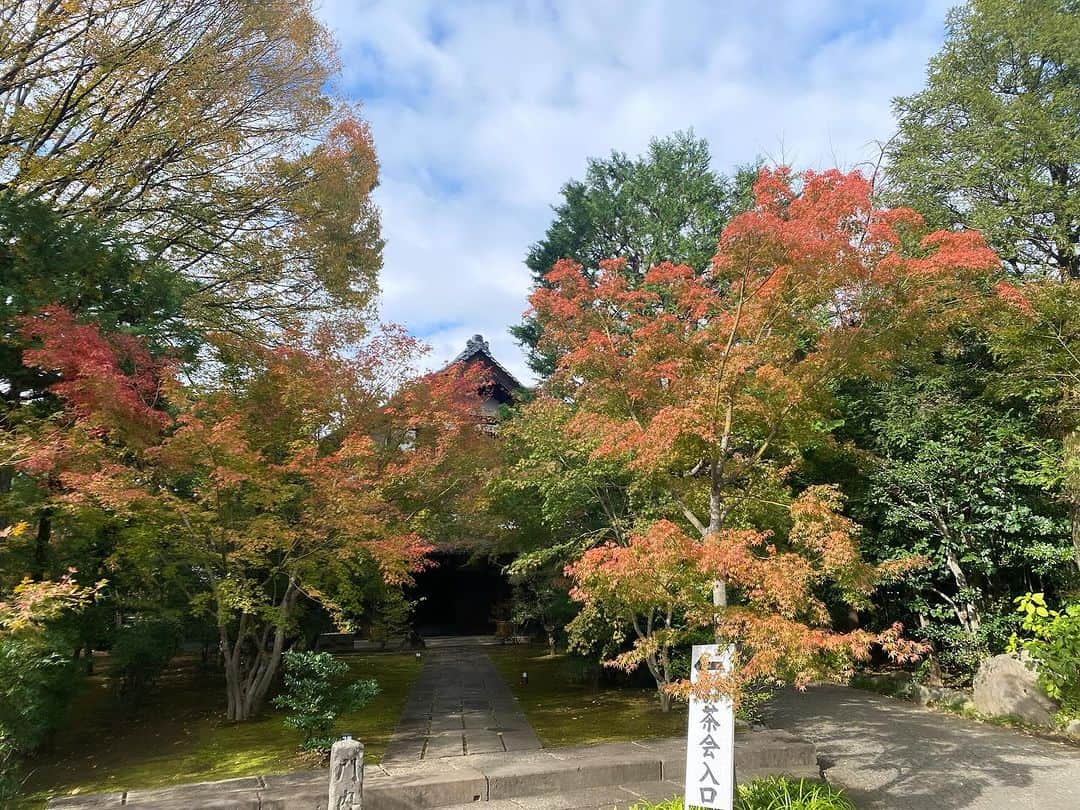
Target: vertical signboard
710, 741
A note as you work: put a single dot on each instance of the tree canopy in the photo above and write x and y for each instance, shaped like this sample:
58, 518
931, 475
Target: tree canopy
666, 205
205, 131
993, 141
706, 386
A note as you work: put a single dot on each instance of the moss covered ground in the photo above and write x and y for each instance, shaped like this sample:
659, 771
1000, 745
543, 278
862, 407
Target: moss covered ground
564, 709
179, 733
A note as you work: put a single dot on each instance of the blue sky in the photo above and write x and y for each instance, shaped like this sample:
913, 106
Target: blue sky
482, 110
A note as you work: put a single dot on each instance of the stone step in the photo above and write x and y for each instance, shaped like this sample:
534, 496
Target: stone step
605, 773
616, 797
612, 797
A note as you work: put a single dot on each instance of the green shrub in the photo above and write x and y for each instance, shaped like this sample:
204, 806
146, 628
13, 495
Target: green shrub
37, 673
37, 681
317, 690
141, 651
1054, 644
393, 617
776, 793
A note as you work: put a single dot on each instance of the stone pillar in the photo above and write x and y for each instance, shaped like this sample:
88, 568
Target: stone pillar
346, 775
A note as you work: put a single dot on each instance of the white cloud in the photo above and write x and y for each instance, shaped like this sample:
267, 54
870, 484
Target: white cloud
482, 110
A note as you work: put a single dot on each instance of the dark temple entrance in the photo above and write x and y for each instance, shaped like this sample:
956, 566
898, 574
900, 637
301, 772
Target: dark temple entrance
459, 597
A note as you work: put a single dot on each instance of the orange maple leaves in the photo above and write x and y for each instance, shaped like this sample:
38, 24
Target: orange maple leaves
306, 450
662, 579
706, 385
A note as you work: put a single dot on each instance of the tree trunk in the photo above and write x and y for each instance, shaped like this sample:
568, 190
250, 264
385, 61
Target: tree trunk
658, 676
933, 677
1071, 447
250, 668
665, 701
41, 545
719, 600
968, 611
716, 517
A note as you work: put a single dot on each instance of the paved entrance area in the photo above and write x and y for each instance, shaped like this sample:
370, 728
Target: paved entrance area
892, 754
458, 706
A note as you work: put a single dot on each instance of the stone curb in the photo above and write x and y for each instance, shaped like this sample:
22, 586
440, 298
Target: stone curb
470, 779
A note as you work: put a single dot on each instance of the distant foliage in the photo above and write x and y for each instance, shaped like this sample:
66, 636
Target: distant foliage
942, 470
205, 127
316, 693
140, 653
665, 205
991, 142
392, 616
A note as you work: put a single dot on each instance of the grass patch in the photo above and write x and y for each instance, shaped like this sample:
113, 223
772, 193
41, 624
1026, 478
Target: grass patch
882, 685
180, 734
775, 793
563, 712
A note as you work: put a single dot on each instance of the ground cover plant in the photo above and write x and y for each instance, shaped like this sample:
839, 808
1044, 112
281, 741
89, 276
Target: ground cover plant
176, 735
775, 793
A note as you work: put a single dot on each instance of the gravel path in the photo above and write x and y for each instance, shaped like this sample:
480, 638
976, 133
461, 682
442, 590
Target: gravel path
892, 754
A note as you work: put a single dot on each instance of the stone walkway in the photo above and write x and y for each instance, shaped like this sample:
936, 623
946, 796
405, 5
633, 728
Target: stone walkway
892, 754
458, 706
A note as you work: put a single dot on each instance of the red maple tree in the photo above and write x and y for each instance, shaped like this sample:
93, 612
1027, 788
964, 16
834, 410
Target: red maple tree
297, 473
708, 386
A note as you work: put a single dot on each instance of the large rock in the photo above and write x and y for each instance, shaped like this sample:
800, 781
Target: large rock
1005, 686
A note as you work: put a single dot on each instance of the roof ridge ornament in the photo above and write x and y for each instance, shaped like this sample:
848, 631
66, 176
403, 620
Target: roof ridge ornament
477, 345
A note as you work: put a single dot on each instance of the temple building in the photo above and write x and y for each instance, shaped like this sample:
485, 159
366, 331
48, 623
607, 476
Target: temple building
504, 387
460, 596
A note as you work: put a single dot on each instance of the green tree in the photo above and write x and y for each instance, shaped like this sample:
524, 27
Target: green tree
93, 271
967, 483
139, 654
37, 674
993, 142
666, 205
205, 128
1034, 331
555, 500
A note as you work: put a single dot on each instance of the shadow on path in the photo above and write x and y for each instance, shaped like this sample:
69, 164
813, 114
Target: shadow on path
892, 754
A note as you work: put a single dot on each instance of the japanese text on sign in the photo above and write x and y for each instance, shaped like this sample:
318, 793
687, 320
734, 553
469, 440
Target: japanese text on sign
710, 742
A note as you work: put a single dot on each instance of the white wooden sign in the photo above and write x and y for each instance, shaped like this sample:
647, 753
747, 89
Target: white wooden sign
710, 740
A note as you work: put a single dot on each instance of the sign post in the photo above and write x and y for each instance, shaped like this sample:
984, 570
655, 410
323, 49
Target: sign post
710, 739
